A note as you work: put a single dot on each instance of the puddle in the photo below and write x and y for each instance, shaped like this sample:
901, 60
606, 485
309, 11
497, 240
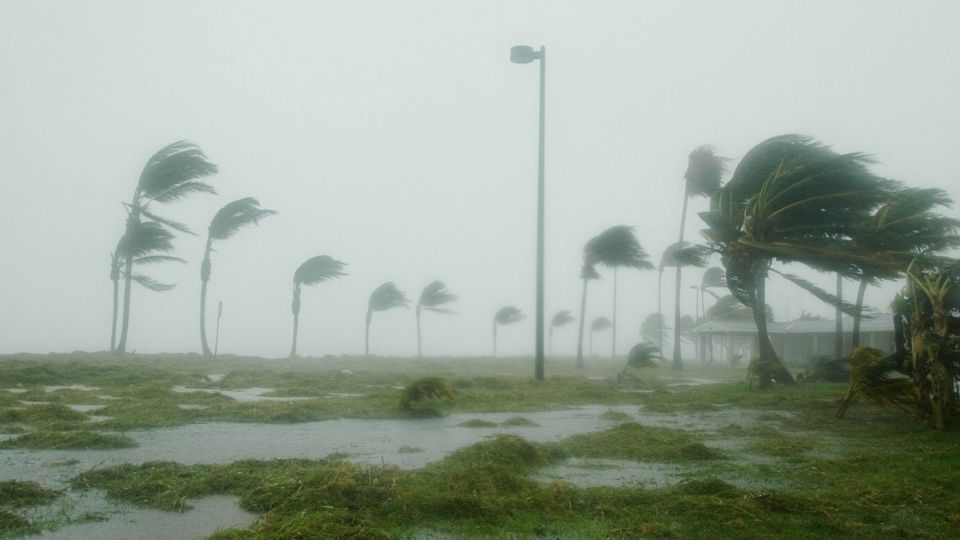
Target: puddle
689, 382
118, 520
243, 395
86, 408
109, 398
25, 402
191, 407
343, 395
76, 387
215, 377
17, 390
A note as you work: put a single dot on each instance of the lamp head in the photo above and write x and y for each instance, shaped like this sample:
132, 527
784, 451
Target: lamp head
523, 54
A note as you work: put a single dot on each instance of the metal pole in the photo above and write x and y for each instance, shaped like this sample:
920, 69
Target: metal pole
538, 366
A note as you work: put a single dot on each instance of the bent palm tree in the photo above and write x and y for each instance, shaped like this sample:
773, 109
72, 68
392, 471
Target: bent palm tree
169, 175
384, 297
147, 243
432, 297
678, 255
560, 319
225, 223
503, 316
641, 355
792, 199
587, 273
616, 247
653, 328
599, 325
314, 270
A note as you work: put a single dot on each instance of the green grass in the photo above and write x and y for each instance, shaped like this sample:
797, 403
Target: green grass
639, 443
69, 440
16, 496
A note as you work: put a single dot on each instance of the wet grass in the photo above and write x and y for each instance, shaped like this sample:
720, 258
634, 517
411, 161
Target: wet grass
69, 440
16, 496
639, 443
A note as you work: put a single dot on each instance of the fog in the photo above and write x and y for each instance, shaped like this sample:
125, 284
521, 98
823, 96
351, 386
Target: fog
399, 138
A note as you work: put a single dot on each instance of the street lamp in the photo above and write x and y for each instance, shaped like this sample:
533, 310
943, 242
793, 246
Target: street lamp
523, 54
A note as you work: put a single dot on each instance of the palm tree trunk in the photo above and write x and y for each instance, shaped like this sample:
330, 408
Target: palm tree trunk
677, 362
583, 312
838, 345
133, 220
613, 340
550, 342
366, 338
494, 339
419, 349
766, 351
116, 307
858, 314
591, 343
204, 278
295, 307
660, 310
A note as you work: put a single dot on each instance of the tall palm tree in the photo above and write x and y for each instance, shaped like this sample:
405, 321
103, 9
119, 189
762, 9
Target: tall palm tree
702, 179
599, 325
148, 243
905, 222
225, 223
171, 174
560, 319
587, 273
792, 199
384, 297
505, 315
432, 298
616, 247
678, 255
314, 270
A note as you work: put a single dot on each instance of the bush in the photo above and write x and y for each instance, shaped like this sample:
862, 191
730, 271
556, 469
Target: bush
424, 397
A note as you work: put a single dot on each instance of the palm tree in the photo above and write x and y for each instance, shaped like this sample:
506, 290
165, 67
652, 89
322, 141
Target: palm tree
560, 319
616, 247
653, 328
792, 199
713, 278
905, 222
587, 273
432, 298
384, 297
147, 243
598, 325
314, 270
678, 255
225, 223
505, 315
702, 179
641, 355
170, 175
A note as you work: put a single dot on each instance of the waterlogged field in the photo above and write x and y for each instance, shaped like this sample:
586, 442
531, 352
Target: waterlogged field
97, 446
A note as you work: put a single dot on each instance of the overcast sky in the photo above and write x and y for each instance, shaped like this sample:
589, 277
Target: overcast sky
398, 137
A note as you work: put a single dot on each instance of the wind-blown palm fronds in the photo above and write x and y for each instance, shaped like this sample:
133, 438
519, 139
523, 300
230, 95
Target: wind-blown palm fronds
503, 316
643, 355
171, 174
599, 324
652, 328
314, 270
877, 376
560, 319
385, 297
678, 255
225, 223
616, 247
432, 298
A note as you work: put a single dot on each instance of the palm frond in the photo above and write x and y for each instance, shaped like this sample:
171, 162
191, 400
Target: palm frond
151, 283
561, 318
171, 167
436, 294
654, 328
616, 247
182, 191
175, 225
508, 315
154, 259
600, 324
728, 308
387, 296
236, 215
588, 271
704, 171
318, 269
143, 239
713, 278
684, 254
823, 295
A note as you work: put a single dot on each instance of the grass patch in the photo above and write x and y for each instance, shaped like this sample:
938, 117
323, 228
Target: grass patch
639, 443
616, 416
477, 423
518, 421
69, 440
410, 450
17, 494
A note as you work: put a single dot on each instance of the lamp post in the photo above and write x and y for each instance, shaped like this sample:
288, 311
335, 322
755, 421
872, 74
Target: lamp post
523, 54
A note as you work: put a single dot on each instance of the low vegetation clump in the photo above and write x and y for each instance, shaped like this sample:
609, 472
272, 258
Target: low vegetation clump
639, 443
478, 423
518, 421
69, 440
16, 496
426, 396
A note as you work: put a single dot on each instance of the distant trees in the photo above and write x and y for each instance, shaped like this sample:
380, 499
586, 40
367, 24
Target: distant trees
225, 223
314, 270
173, 173
503, 316
385, 297
653, 328
599, 324
433, 297
587, 273
560, 319
678, 255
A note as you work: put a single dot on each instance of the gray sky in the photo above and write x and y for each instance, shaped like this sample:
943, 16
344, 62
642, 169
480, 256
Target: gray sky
398, 137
